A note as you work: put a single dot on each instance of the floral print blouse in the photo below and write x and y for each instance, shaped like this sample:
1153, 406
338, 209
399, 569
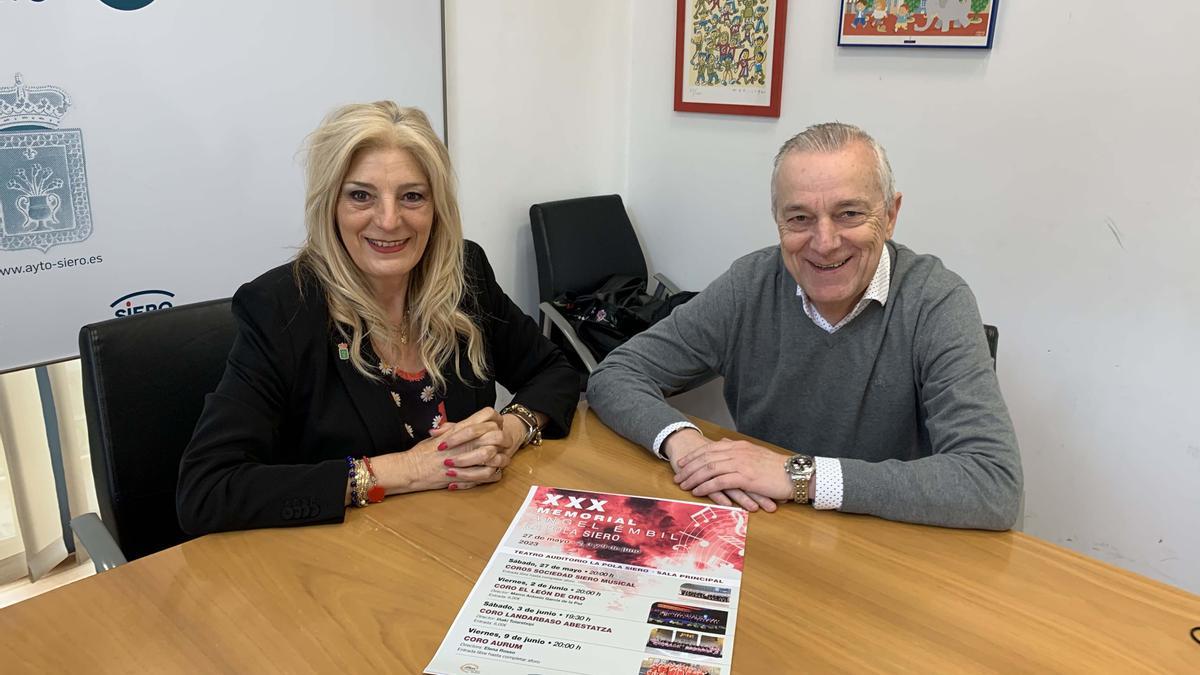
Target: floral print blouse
416, 400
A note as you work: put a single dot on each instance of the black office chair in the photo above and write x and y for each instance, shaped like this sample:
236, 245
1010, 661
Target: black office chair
579, 243
993, 339
144, 382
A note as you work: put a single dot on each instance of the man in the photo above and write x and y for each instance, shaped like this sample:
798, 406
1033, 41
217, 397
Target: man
838, 343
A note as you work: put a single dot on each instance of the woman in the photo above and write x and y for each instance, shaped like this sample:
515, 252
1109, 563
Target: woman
367, 366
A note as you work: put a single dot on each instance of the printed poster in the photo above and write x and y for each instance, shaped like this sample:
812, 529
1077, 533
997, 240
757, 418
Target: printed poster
591, 582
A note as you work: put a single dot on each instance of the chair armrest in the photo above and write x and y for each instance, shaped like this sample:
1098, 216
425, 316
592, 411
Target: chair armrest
993, 339
98, 542
664, 284
551, 312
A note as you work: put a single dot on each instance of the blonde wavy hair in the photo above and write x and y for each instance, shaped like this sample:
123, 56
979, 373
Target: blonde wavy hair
436, 285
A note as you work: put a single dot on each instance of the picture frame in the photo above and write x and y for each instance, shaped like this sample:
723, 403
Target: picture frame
967, 24
729, 56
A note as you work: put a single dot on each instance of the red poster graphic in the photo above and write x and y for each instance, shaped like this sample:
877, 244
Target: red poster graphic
656, 533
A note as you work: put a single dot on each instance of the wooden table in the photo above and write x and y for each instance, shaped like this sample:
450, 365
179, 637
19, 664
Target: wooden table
821, 592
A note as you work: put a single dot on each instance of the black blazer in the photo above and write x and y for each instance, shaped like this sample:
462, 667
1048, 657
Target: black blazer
270, 447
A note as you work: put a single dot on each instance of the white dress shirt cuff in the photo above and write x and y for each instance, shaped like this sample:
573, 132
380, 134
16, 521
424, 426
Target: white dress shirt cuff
672, 428
828, 490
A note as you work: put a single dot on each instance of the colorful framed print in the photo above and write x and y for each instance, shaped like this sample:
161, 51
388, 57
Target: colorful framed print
729, 56
917, 23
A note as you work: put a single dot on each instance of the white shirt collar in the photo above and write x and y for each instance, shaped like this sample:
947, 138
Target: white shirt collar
877, 290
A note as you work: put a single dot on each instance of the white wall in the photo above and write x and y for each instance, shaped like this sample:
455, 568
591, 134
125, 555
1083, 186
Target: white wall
537, 95
1058, 174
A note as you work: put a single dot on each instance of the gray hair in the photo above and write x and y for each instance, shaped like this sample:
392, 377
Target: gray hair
830, 137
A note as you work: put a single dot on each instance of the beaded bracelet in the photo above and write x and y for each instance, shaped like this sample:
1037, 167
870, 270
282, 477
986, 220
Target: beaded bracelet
353, 470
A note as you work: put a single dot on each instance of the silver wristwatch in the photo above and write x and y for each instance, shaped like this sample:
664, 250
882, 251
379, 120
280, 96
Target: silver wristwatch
800, 469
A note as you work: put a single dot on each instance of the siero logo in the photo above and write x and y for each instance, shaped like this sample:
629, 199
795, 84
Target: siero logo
142, 301
123, 5
127, 5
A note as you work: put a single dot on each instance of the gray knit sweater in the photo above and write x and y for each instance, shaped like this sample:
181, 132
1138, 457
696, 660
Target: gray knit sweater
904, 394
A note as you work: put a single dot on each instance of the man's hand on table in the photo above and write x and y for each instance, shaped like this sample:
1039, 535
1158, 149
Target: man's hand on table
692, 455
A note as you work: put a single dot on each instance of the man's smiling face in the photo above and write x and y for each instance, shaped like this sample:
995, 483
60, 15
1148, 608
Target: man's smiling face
833, 222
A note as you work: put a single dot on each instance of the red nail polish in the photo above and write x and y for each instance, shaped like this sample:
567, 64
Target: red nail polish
449, 462
441, 446
451, 472
452, 486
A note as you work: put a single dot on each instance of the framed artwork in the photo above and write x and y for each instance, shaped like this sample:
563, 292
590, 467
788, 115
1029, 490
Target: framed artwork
729, 56
917, 23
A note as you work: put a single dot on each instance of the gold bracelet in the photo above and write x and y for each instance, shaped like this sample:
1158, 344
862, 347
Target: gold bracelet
362, 482
533, 434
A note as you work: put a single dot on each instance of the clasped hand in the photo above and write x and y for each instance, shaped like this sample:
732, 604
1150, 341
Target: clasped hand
728, 471
456, 456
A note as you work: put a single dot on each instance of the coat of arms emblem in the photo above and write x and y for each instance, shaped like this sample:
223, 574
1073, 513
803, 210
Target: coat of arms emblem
43, 181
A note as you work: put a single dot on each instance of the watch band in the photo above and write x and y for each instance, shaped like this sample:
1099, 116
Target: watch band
800, 469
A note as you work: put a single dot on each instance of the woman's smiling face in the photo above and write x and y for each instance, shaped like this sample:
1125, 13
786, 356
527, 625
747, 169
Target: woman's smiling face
384, 215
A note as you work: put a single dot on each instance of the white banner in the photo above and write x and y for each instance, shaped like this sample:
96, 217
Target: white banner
150, 150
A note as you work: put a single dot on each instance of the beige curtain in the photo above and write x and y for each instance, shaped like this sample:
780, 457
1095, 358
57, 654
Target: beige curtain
31, 532
12, 549
66, 382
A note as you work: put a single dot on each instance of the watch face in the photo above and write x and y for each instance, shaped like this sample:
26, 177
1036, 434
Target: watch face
799, 463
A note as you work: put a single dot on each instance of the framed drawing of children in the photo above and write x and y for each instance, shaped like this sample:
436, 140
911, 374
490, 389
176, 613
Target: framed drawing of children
729, 56
917, 23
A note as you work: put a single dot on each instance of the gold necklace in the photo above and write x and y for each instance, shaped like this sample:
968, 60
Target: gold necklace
384, 367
